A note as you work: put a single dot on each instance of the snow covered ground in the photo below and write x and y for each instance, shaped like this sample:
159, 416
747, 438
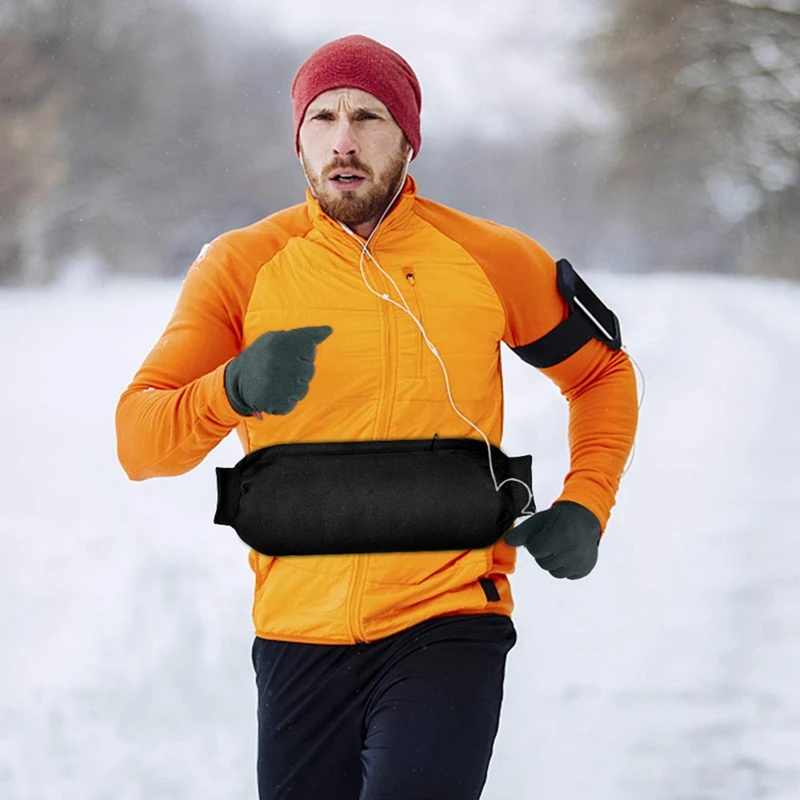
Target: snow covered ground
671, 673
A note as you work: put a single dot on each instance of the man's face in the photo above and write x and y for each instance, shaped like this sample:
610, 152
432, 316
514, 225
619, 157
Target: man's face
348, 132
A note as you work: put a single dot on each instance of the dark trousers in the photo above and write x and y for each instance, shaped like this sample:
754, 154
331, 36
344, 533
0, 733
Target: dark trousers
411, 716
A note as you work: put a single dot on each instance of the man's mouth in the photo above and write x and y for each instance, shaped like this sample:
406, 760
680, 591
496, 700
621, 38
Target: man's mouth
347, 177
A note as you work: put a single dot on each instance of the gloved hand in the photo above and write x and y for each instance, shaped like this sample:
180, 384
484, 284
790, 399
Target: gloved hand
563, 540
273, 373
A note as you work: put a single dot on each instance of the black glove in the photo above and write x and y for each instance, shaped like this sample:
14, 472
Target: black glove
563, 540
273, 373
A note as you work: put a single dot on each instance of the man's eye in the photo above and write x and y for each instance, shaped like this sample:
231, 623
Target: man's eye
323, 116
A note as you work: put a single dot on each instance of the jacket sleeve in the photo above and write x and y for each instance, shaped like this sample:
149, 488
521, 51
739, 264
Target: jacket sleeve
598, 383
175, 411
600, 387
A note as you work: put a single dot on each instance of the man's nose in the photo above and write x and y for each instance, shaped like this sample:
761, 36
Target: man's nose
344, 143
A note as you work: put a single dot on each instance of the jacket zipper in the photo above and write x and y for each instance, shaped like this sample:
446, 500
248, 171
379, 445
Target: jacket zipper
384, 415
355, 599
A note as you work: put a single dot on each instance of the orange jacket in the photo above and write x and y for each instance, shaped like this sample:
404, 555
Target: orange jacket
473, 284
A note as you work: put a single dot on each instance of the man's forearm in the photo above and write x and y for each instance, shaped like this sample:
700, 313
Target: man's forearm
163, 431
603, 416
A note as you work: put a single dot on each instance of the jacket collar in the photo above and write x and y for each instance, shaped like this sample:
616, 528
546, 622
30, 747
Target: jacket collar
397, 218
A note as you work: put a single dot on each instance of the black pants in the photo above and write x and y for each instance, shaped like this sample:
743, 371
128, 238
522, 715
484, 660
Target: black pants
413, 715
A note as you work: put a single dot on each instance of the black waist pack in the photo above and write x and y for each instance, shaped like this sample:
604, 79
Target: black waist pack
371, 497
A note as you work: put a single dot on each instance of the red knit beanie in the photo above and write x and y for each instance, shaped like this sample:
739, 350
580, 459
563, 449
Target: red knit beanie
361, 63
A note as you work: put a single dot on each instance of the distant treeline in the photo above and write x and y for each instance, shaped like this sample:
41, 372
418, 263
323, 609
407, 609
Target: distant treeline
131, 134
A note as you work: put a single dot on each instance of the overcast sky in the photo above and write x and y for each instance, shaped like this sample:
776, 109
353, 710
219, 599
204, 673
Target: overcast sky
487, 64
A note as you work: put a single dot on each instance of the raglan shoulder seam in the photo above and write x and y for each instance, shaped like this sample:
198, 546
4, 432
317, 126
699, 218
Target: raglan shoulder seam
473, 257
249, 235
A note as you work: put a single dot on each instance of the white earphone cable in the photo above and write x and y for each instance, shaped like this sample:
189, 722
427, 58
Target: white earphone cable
405, 308
635, 363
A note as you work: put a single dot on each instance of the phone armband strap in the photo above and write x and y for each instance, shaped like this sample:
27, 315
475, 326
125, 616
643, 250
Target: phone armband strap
588, 319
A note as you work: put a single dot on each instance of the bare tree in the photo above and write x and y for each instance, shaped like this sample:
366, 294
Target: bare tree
33, 100
158, 148
708, 97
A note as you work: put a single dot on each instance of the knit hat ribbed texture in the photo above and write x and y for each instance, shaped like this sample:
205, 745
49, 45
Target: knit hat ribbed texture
360, 63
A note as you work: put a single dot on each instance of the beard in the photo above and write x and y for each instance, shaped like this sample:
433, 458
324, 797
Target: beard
361, 205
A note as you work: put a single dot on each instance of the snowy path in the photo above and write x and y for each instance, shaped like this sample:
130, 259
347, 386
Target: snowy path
673, 672
669, 674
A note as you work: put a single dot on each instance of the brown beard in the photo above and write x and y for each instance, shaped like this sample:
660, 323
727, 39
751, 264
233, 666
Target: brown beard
346, 206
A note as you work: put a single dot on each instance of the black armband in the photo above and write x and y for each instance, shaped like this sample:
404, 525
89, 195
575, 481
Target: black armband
588, 319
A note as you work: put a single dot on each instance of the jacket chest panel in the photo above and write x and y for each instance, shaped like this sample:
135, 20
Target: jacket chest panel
374, 375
